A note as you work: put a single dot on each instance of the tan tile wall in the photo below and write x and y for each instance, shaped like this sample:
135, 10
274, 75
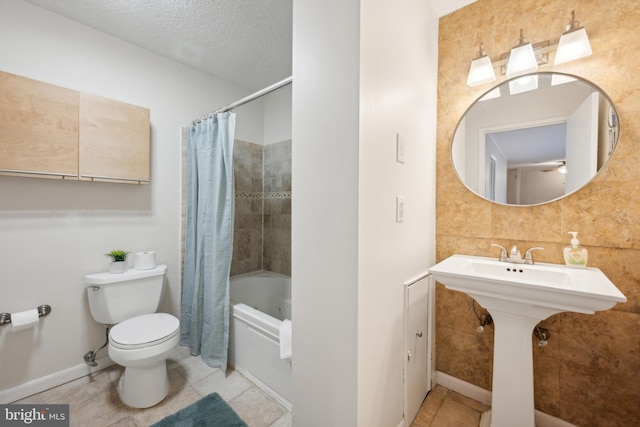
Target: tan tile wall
589, 374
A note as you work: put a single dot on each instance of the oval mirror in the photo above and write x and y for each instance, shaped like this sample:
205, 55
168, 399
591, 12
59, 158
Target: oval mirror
534, 139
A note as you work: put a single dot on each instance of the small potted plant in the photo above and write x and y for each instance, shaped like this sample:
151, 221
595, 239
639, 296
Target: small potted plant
119, 264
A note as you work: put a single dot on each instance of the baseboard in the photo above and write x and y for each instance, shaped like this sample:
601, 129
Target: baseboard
546, 420
484, 396
464, 388
53, 380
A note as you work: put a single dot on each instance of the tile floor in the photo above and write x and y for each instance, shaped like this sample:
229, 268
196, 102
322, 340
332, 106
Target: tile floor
446, 408
94, 399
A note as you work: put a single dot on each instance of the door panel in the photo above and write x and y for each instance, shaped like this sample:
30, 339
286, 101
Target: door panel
416, 347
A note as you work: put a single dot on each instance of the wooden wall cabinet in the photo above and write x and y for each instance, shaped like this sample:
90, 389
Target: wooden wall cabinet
114, 140
53, 132
38, 128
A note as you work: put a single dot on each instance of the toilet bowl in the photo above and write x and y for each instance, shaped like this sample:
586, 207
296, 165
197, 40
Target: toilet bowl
140, 339
142, 345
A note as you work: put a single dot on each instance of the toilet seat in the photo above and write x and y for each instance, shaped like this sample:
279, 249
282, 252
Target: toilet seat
144, 331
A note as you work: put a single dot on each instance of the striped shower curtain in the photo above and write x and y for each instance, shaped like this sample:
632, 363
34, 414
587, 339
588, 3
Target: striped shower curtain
204, 318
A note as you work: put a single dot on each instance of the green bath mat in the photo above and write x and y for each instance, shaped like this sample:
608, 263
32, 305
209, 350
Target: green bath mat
210, 411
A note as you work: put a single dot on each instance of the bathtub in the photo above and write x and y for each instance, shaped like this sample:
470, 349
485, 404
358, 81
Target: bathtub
260, 301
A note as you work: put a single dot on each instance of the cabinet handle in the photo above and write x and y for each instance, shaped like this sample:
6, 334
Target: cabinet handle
92, 177
64, 175
419, 334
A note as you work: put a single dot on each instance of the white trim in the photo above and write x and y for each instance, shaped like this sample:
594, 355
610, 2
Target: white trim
546, 420
431, 334
52, 380
466, 389
484, 396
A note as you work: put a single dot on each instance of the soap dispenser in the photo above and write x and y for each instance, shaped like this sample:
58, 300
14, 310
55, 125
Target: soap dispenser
575, 255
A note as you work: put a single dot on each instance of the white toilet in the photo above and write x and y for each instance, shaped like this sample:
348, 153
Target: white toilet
141, 339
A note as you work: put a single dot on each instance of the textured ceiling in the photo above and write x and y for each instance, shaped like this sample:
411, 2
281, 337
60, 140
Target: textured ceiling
247, 42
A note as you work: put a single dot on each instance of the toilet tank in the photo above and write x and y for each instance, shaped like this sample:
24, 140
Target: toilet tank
117, 297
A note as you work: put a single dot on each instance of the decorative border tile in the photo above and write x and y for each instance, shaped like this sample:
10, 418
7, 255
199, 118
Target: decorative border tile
259, 195
278, 195
248, 195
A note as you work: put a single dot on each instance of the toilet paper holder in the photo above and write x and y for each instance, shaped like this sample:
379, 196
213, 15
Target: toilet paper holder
43, 310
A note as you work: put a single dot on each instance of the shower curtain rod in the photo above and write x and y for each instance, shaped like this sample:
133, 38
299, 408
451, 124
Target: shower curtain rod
248, 99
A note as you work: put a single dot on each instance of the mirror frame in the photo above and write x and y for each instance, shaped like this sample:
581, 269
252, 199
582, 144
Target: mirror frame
603, 94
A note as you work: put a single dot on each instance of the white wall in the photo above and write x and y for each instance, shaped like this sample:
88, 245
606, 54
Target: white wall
250, 122
354, 89
398, 74
277, 116
266, 120
55, 232
324, 239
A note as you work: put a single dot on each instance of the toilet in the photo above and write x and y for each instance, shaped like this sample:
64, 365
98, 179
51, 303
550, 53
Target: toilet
140, 339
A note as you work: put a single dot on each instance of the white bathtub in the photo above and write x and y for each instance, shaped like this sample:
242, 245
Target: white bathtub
259, 303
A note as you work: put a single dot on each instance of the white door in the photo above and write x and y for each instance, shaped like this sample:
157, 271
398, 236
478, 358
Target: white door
582, 144
417, 336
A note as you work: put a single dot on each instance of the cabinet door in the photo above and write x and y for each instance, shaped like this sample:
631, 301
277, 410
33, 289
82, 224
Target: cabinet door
114, 140
417, 336
38, 128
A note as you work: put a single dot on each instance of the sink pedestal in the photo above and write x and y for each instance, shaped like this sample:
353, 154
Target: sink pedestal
512, 389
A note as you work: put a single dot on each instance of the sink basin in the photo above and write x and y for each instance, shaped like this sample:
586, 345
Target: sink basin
539, 290
519, 296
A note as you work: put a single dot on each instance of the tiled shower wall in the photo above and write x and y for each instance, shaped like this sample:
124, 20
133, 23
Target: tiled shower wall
247, 234
276, 255
262, 229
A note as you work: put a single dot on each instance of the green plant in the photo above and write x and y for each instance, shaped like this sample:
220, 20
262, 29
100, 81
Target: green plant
118, 255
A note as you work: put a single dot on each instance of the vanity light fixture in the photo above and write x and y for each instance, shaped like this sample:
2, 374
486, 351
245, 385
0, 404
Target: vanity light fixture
523, 84
560, 79
495, 93
522, 59
481, 70
574, 43
526, 56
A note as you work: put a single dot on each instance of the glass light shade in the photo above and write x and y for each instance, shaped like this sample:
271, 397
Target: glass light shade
573, 45
521, 60
481, 72
560, 79
523, 84
495, 93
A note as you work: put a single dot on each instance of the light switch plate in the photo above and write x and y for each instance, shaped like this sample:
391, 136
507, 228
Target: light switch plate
399, 148
400, 202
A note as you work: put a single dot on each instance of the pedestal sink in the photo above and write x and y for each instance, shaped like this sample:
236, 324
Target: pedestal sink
519, 296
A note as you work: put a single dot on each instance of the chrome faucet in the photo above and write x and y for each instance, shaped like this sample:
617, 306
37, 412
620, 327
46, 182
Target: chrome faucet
514, 254
528, 258
503, 252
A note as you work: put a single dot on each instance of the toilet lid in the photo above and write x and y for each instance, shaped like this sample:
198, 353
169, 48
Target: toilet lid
144, 330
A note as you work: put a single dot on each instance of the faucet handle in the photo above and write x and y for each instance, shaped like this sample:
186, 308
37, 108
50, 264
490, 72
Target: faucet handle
528, 257
503, 253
